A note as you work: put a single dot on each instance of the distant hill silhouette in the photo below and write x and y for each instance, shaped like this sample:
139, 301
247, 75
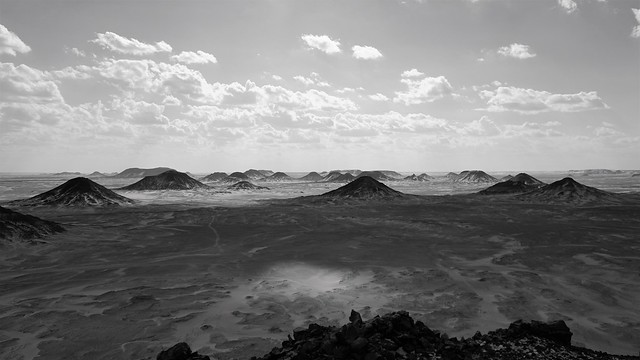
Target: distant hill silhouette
279, 176
140, 173
452, 176
266, 172
234, 177
79, 191
312, 176
68, 173
254, 174
17, 226
216, 176
338, 177
569, 191
96, 174
475, 176
168, 180
378, 175
421, 177
245, 185
505, 178
364, 188
520, 183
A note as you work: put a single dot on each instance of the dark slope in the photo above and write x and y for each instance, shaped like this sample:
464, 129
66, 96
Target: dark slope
363, 188
17, 226
569, 191
79, 191
245, 185
378, 175
140, 173
254, 174
312, 176
396, 336
505, 178
168, 180
475, 176
520, 183
216, 176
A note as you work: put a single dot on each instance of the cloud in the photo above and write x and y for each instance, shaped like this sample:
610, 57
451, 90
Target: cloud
515, 50
569, 5
190, 57
24, 84
322, 43
411, 73
129, 46
366, 52
10, 43
425, 90
636, 29
313, 79
378, 97
528, 101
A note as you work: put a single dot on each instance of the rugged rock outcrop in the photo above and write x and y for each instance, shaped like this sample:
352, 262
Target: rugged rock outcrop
363, 188
180, 351
168, 180
245, 185
17, 226
79, 191
396, 336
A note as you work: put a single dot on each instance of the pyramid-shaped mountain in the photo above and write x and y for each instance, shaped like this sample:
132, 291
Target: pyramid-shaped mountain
245, 185
279, 176
79, 191
216, 176
364, 187
569, 191
475, 176
520, 183
168, 180
140, 173
312, 176
14, 226
254, 174
378, 175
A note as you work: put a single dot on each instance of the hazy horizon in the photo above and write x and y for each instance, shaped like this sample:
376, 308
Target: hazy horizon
428, 86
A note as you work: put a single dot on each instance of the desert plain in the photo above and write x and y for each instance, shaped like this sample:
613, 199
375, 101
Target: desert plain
232, 273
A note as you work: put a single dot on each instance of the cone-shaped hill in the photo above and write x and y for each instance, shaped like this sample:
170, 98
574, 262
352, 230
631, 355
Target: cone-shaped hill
336, 176
520, 183
17, 226
168, 180
569, 191
140, 173
505, 178
254, 174
245, 185
79, 191
475, 176
234, 177
378, 175
363, 188
279, 176
216, 176
312, 176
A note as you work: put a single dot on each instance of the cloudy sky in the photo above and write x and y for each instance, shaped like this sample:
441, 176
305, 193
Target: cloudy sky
297, 85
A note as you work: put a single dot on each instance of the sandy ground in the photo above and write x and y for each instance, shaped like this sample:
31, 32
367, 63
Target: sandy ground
234, 280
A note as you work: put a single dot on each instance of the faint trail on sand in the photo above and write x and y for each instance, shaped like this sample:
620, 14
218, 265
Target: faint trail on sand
215, 232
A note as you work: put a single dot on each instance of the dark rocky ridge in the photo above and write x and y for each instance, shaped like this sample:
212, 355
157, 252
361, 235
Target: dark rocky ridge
79, 191
520, 183
475, 176
363, 188
168, 180
569, 191
397, 336
245, 185
17, 226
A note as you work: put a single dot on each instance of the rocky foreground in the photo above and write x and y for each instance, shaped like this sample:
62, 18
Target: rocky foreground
398, 336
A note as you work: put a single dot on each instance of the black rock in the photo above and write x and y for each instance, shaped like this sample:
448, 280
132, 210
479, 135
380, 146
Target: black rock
180, 351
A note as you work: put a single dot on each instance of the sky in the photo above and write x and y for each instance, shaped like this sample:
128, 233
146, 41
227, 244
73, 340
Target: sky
300, 85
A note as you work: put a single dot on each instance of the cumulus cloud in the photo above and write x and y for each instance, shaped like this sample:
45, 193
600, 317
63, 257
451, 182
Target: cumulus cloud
314, 79
528, 101
411, 73
366, 52
25, 84
569, 5
636, 29
515, 50
378, 97
129, 46
198, 57
10, 43
425, 90
322, 43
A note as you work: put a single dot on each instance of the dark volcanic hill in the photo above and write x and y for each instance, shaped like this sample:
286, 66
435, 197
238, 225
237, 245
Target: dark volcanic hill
363, 188
312, 176
279, 176
520, 183
421, 177
234, 177
378, 175
168, 180
245, 185
140, 173
216, 176
79, 191
527, 179
17, 226
475, 176
505, 178
254, 174
569, 191
396, 336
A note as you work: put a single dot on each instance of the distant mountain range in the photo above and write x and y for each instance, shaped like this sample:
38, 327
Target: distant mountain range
79, 191
168, 180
